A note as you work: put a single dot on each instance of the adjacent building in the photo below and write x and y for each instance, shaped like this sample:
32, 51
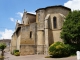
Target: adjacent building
38, 31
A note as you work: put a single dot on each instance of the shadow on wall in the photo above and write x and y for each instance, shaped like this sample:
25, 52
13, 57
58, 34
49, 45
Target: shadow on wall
51, 40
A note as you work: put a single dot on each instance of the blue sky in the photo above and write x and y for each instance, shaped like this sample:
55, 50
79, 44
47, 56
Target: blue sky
12, 10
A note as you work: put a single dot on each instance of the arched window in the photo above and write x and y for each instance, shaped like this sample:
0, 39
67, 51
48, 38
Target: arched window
54, 22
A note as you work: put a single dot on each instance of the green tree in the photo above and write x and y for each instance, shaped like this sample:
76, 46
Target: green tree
71, 28
2, 47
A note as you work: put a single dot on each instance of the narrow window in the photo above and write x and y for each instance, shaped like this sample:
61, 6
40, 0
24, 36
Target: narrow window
54, 22
30, 34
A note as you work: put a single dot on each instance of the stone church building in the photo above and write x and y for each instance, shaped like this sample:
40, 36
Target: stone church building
38, 31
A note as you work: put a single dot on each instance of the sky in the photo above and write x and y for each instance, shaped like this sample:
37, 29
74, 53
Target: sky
12, 10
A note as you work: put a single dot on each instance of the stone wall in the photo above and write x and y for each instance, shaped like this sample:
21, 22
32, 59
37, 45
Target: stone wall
33, 30
40, 41
32, 17
50, 37
13, 42
57, 10
25, 35
56, 35
27, 49
40, 17
40, 49
59, 20
18, 42
28, 18
28, 34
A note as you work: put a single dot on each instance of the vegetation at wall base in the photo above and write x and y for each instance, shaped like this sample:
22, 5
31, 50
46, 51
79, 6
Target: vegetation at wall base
16, 52
59, 49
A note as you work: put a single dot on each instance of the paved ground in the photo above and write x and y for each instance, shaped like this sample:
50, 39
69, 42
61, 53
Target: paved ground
8, 56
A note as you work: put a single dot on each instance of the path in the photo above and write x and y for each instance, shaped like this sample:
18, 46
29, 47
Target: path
8, 56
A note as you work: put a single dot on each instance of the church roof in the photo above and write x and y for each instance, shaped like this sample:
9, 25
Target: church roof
53, 7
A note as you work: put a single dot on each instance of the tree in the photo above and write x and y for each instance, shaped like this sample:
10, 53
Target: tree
71, 28
2, 47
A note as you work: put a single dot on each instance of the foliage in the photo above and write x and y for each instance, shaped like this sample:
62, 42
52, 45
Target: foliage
17, 53
71, 28
74, 48
2, 47
59, 49
14, 51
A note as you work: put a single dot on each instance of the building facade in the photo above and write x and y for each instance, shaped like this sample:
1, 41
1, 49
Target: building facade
37, 32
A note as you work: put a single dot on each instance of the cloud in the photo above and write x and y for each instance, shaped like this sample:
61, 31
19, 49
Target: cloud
19, 21
73, 4
20, 14
15, 20
6, 34
12, 19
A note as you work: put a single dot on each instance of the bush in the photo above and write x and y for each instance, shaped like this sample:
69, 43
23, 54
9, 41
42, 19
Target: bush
59, 49
17, 53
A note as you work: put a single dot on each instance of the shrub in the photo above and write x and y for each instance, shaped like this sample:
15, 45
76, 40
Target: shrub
59, 49
17, 53
14, 51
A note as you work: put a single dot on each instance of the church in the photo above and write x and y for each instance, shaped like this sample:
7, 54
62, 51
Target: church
38, 31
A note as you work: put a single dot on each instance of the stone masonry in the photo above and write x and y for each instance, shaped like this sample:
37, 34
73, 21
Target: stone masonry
38, 31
